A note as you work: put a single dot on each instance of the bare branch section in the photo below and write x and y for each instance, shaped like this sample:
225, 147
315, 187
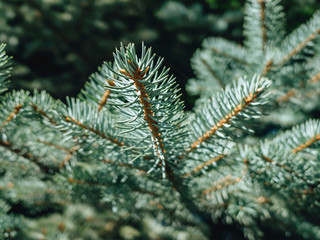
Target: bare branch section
299, 47
207, 163
11, 116
212, 72
105, 96
226, 120
148, 113
95, 131
263, 24
307, 143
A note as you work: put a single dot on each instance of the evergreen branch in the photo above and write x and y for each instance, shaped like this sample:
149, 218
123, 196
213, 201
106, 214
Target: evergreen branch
44, 114
226, 55
212, 72
263, 24
221, 183
95, 131
82, 182
124, 165
226, 49
287, 96
137, 76
68, 151
289, 170
105, 96
245, 102
199, 167
267, 68
55, 146
11, 116
299, 47
66, 159
307, 144
29, 156
5, 68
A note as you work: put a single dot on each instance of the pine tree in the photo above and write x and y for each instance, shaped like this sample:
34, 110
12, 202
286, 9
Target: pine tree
127, 145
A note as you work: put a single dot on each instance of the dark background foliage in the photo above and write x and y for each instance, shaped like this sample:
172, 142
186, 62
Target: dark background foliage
57, 44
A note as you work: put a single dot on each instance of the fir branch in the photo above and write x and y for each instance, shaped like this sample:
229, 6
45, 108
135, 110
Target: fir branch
207, 163
44, 114
246, 101
82, 182
289, 170
212, 72
263, 24
69, 152
55, 146
307, 144
267, 68
137, 76
105, 96
287, 96
95, 131
299, 47
222, 183
5, 69
125, 165
29, 156
11, 116
223, 54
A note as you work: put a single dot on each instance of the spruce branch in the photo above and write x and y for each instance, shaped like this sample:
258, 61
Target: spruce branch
301, 38
227, 108
201, 166
11, 116
307, 144
155, 109
5, 69
226, 49
263, 24
105, 96
29, 156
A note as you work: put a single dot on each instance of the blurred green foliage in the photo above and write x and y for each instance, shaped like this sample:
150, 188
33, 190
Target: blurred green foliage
57, 44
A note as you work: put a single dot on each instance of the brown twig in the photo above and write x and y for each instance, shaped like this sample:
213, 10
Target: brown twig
105, 96
263, 23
